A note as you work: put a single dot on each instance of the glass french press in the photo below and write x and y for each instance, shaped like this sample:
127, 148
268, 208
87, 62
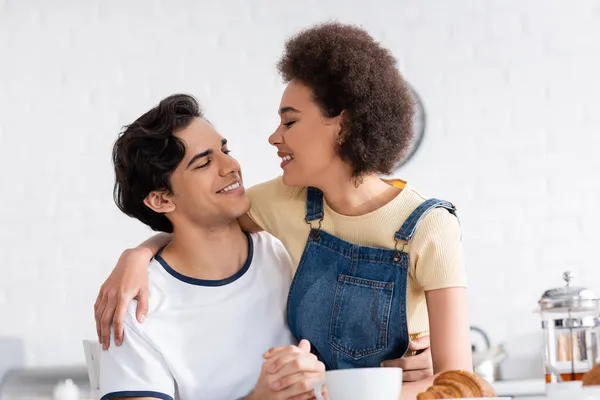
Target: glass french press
571, 325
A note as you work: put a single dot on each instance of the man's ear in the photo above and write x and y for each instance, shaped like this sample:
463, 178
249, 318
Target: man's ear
160, 202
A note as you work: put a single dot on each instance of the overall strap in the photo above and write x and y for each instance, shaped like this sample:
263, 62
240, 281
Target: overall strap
314, 204
407, 230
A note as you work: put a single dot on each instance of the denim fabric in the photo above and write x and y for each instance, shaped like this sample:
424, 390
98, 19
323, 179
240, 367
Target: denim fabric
348, 300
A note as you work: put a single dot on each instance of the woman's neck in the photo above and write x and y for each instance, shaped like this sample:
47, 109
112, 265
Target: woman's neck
347, 198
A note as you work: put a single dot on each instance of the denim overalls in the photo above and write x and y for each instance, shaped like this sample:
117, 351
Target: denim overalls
348, 300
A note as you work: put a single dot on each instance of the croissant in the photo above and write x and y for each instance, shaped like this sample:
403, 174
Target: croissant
456, 385
592, 377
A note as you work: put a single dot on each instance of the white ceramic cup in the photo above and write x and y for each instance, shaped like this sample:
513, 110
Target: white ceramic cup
362, 384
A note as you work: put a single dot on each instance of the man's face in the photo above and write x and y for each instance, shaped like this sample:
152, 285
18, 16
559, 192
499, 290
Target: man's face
207, 184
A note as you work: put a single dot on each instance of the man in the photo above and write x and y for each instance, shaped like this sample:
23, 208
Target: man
217, 295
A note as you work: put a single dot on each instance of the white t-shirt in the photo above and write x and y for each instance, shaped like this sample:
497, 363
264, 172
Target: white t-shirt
203, 340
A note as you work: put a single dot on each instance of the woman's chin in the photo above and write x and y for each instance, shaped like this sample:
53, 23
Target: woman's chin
290, 180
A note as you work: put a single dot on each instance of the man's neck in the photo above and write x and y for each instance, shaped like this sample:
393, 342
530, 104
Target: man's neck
207, 253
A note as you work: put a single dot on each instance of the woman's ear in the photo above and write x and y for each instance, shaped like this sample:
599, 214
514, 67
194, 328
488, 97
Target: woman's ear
341, 123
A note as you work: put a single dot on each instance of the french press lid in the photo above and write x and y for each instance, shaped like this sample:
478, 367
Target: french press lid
568, 298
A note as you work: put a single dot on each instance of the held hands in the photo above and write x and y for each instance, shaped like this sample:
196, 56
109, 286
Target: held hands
292, 372
288, 373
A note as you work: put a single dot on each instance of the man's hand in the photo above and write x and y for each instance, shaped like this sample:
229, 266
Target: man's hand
288, 373
418, 367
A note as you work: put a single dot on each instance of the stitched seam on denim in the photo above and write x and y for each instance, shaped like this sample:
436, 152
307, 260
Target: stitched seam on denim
408, 227
356, 355
334, 325
423, 214
390, 260
346, 254
354, 261
335, 355
334, 342
410, 221
294, 281
386, 317
404, 321
329, 243
317, 216
329, 248
405, 234
309, 203
353, 353
314, 204
368, 283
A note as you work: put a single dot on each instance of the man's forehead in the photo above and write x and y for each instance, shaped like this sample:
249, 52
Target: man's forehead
200, 141
199, 131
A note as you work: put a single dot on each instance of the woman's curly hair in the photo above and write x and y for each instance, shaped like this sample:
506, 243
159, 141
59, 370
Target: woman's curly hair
349, 71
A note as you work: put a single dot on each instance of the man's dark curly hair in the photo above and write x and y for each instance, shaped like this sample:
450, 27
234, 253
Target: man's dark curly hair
349, 71
146, 154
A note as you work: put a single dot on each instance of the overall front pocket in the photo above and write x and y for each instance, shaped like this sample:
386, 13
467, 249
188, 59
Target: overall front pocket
360, 315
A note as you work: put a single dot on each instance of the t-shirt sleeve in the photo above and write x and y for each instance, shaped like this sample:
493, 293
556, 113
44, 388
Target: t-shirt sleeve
134, 369
437, 252
270, 202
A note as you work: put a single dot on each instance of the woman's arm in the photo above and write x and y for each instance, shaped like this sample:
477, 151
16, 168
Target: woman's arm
449, 329
449, 336
127, 281
248, 225
439, 269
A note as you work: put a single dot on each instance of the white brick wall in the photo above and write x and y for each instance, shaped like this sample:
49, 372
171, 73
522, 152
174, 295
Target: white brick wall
512, 95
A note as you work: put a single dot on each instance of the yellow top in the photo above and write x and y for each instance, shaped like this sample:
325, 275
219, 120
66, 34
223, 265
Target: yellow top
435, 252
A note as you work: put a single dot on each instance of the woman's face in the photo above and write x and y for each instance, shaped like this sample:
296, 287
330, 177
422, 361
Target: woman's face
306, 140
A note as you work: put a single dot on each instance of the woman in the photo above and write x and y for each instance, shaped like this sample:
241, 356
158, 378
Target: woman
377, 264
